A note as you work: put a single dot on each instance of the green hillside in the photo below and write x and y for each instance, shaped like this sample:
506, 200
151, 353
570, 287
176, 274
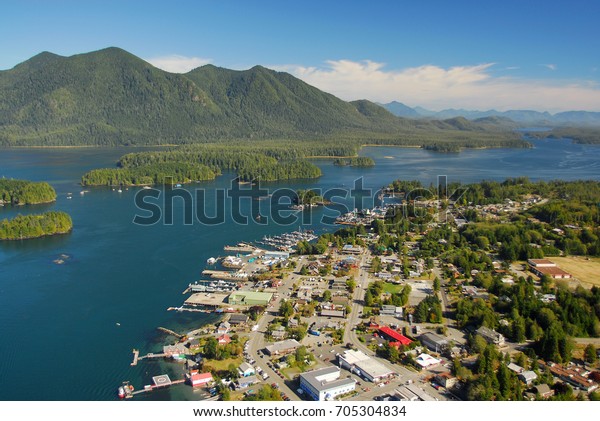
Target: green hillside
111, 97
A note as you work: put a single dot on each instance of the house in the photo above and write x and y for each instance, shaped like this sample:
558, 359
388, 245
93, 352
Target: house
292, 322
515, 368
200, 379
527, 377
544, 391
244, 382
279, 333
305, 293
571, 376
325, 384
223, 328
194, 344
224, 339
246, 370
491, 336
237, 319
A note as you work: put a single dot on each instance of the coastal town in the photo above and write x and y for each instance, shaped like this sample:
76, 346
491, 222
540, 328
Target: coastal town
418, 309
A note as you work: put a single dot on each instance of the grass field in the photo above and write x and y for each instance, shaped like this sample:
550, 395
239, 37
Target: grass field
584, 270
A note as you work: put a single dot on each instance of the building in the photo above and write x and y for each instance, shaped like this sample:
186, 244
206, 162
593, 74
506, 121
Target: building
446, 380
573, 377
543, 267
178, 350
394, 336
515, 368
283, 347
200, 379
491, 336
305, 293
388, 310
224, 339
427, 361
325, 383
250, 298
434, 342
246, 370
280, 255
364, 366
350, 249
410, 392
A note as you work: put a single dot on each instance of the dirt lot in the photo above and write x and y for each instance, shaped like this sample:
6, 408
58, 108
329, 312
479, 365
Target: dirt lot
587, 271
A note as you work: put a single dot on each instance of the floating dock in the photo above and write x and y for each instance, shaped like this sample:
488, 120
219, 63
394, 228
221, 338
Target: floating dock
136, 355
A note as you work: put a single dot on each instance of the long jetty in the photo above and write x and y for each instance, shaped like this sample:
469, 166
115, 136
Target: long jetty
170, 332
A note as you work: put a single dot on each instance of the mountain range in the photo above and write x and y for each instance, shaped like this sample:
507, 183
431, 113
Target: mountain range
112, 97
528, 117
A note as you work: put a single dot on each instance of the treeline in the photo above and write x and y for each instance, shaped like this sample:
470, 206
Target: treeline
32, 226
23, 192
584, 135
169, 173
359, 161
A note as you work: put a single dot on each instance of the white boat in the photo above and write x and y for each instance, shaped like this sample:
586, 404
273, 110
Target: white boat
120, 191
211, 261
146, 188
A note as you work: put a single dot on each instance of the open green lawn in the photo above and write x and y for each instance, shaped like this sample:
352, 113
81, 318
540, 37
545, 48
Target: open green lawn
391, 288
223, 364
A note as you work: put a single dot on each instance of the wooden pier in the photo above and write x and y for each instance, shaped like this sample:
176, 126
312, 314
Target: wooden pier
150, 388
242, 248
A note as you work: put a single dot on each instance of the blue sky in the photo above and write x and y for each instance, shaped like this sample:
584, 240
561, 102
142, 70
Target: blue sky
437, 54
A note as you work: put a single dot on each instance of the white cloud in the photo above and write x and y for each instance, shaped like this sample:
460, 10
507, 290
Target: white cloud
178, 64
434, 87
549, 66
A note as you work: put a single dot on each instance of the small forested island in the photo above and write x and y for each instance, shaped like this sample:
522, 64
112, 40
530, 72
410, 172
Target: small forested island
24, 227
310, 198
186, 164
359, 161
24, 192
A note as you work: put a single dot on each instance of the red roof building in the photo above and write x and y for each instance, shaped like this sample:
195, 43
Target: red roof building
200, 379
394, 336
223, 339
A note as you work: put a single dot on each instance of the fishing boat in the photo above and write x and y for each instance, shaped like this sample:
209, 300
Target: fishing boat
211, 261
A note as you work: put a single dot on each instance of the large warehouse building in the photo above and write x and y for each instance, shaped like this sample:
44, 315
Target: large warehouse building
365, 366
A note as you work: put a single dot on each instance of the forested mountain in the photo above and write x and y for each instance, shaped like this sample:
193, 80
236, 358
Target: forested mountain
111, 97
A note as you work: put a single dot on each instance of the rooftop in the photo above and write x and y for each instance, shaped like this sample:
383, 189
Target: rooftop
316, 379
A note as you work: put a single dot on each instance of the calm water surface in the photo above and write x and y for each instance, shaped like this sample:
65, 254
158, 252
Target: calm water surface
58, 323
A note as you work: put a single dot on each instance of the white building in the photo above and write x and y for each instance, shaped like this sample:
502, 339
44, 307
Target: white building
325, 383
364, 366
